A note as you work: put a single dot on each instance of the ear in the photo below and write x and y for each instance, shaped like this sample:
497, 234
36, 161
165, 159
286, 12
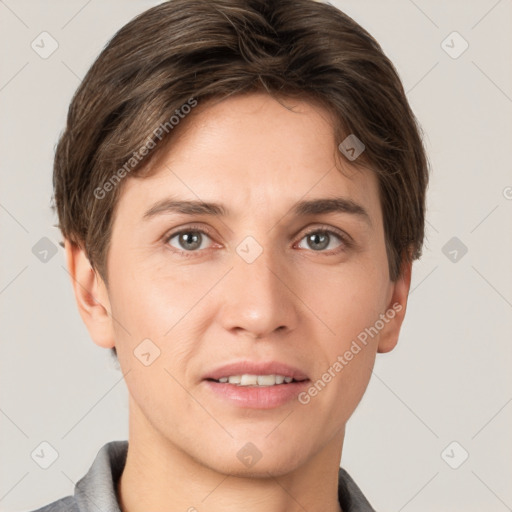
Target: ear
91, 296
397, 304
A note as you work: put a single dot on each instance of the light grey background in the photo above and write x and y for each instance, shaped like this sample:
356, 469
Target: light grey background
449, 379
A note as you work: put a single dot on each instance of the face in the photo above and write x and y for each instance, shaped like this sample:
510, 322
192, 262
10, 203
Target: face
269, 280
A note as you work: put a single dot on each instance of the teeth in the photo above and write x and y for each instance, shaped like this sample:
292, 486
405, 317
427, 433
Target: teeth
249, 380
266, 380
256, 380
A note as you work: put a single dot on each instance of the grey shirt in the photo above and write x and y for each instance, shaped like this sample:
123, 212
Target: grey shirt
96, 491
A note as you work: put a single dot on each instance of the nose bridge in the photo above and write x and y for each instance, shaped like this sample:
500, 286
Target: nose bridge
259, 276
257, 300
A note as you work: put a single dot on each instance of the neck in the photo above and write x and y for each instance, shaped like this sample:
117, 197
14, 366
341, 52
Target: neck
160, 477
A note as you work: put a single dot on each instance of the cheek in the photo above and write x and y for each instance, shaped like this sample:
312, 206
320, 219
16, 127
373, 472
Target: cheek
347, 298
152, 324
140, 308
150, 298
154, 304
348, 301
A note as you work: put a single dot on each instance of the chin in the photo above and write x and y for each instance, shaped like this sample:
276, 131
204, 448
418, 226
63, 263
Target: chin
275, 468
258, 459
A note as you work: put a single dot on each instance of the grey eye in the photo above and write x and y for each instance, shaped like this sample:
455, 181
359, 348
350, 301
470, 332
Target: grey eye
190, 240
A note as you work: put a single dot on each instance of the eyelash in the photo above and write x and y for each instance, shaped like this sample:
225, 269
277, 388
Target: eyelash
345, 239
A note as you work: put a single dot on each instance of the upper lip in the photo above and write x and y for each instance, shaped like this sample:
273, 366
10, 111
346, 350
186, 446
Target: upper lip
255, 368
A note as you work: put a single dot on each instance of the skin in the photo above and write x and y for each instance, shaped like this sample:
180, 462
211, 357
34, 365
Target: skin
293, 304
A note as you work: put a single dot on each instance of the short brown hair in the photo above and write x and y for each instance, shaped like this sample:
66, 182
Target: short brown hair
203, 49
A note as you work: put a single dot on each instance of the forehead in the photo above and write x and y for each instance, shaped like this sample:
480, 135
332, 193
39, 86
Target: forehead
250, 152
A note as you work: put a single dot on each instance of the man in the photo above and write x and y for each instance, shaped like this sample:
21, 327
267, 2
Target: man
241, 190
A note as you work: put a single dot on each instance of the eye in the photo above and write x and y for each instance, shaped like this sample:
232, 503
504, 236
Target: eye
191, 240
188, 240
320, 239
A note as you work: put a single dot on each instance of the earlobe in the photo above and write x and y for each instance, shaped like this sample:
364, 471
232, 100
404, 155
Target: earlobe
396, 310
91, 296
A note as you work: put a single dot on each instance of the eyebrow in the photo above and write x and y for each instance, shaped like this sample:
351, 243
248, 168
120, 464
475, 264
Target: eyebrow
302, 208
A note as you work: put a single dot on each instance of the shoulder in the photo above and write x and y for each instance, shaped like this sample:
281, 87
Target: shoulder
96, 490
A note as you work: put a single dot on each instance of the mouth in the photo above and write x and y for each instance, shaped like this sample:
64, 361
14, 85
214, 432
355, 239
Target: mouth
251, 373
248, 379
256, 385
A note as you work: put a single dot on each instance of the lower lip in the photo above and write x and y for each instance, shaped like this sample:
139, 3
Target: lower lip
252, 397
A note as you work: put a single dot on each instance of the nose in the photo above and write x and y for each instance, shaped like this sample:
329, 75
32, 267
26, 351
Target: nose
258, 299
